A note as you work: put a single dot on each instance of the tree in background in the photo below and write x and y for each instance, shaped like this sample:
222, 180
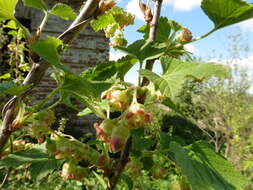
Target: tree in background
223, 108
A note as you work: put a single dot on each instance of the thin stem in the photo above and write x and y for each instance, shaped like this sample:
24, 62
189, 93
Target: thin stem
139, 77
45, 101
197, 39
204, 36
5, 177
54, 104
43, 23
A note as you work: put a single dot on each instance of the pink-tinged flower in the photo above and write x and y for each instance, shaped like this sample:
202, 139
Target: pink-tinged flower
104, 130
118, 99
136, 116
118, 139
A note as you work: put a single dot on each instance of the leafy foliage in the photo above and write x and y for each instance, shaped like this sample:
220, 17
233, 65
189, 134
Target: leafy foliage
107, 70
205, 169
164, 30
176, 73
7, 9
127, 130
41, 169
63, 11
38, 4
33, 155
226, 12
48, 50
12, 88
112, 16
143, 50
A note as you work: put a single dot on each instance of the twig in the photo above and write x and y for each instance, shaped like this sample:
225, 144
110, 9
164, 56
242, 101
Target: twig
38, 69
152, 35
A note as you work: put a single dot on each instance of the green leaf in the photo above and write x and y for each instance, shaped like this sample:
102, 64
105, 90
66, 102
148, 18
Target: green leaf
140, 143
37, 4
128, 180
33, 155
78, 86
172, 105
72, 85
63, 11
7, 8
103, 105
102, 21
83, 90
109, 69
4, 86
41, 169
163, 30
12, 88
101, 86
205, 169
11, 24
166, 139
227, 12
147, 163
47, 49
113, 16
84, 112
176, 72
100, 179
143, 50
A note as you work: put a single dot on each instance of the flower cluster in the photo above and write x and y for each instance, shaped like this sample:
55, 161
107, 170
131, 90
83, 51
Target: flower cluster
130, 102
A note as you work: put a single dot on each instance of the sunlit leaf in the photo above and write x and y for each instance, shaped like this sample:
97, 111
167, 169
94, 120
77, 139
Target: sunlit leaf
37, 4
176, 72
143, 50
227, 12
63, 11
47, 49
7, 8
206, 169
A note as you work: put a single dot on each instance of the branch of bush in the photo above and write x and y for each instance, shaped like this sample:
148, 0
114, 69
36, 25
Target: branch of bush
152, 34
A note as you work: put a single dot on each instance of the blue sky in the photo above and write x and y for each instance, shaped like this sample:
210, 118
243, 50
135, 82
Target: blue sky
189, 14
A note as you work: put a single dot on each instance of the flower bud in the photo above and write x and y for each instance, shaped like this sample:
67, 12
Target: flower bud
105, 5
152, 94
148, 15
118, 99
158, 172
134, 168
136, 116
19, 145
110, 30
119, 137
72, 171
184, 36
118, 39
104, 130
